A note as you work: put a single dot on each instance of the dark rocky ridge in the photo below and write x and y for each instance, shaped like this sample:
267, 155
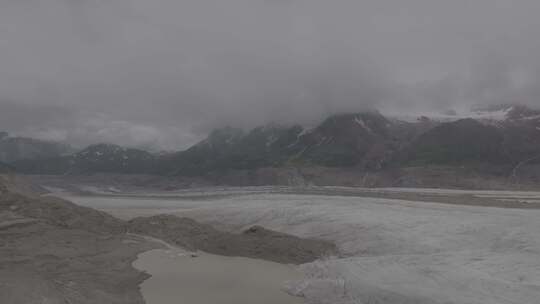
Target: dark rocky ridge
5, 168
256, 242
105, 158
455, 143
19, 148
359, 144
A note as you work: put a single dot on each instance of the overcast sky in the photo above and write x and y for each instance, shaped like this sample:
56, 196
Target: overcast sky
163, 72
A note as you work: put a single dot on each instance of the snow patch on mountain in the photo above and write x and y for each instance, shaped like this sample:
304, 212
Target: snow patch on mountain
360, 121
491, 114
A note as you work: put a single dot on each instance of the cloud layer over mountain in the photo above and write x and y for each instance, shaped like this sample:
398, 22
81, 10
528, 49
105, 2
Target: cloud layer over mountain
162, 73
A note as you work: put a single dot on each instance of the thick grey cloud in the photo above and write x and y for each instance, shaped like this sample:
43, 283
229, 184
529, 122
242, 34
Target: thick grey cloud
163, 72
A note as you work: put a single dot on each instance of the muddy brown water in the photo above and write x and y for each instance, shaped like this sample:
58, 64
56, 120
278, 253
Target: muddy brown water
179, 278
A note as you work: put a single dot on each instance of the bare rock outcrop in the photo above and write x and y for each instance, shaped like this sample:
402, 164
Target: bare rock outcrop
256, 242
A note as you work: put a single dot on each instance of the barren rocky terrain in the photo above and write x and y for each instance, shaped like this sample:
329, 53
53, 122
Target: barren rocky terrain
255, 242
52, 251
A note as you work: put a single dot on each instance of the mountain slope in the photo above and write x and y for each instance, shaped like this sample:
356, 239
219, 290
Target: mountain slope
501, 142
361, 139
230, 148
4, 168
99, 158
522, 135
462, 141
19, 148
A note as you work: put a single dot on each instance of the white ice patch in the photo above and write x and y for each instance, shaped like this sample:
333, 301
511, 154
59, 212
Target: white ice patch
302, 133
489, 116
271, 140
363, 124
394, 251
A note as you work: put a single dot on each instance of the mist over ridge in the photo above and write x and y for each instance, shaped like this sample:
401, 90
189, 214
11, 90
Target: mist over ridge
164, 73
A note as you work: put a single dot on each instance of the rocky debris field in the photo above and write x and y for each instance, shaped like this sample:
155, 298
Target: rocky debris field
52, 251
255, 242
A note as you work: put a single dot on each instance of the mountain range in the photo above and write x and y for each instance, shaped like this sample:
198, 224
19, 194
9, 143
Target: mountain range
14, 148
502, 141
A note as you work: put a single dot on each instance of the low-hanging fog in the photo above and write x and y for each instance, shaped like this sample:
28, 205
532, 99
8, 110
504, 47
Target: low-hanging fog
161, 73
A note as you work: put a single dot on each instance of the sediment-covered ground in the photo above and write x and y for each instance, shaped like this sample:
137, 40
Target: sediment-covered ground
53, 251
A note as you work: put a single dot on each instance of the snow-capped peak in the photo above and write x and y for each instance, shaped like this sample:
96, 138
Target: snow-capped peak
487, 114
